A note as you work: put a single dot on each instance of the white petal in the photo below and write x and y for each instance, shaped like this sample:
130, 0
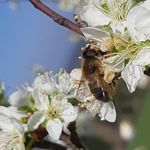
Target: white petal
5, 123
54, 128
59, 100
143, 57
65, 84
115, 63
19, 98
65, 128
94, 17
138, 21
35, 120
118, 27
76, 74
95, 33
60, 142
9, 124
39, 81
18, 126
12, 112
69, 113
41, 99
131, 75
108, 112
146, 4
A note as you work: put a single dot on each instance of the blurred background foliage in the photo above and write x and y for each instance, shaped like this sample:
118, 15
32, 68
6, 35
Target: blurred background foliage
33, 43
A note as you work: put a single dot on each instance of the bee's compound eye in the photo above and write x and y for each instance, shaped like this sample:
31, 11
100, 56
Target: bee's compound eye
89, 54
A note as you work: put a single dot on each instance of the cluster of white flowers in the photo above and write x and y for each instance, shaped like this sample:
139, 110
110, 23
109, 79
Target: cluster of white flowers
51, 103
122, 29
45, 104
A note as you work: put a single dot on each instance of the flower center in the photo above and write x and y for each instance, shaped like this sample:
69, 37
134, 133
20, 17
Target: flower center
53, 112
116, 9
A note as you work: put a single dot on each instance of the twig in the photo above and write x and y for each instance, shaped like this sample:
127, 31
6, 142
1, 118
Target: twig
56, 17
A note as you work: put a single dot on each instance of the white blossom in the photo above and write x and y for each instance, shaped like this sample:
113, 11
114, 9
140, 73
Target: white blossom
56, 110
50, 93
107, 12
138, 21
55, 83
134, 70
11, 134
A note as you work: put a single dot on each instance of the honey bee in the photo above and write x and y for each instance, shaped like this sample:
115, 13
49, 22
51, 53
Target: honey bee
93, 73
94, 91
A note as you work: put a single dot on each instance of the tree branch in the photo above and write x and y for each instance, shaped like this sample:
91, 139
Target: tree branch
56, 17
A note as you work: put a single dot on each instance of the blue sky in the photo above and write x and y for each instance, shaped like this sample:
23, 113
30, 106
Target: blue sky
28, 37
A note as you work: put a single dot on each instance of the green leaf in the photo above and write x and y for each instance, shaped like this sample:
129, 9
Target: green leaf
32, 100
26, 108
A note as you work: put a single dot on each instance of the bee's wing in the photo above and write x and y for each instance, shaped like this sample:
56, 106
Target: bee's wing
107, 111
109, 88
83, 93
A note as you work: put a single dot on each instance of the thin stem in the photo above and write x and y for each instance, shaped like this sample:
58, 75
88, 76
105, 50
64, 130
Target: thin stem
56, 17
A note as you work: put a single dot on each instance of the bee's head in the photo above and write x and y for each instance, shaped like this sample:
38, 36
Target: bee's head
90, 52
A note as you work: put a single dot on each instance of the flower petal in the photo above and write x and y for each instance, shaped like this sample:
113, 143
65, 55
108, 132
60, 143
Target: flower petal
35, 120
138, 21
5, 123
108, 112
9, 124
95, 33
143, 57
131, 75
19, 98
76, 74
39, 81
12, 112
93, 16
115, 63
65, 128
41, 99
69, 113
54, 128
60, 142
